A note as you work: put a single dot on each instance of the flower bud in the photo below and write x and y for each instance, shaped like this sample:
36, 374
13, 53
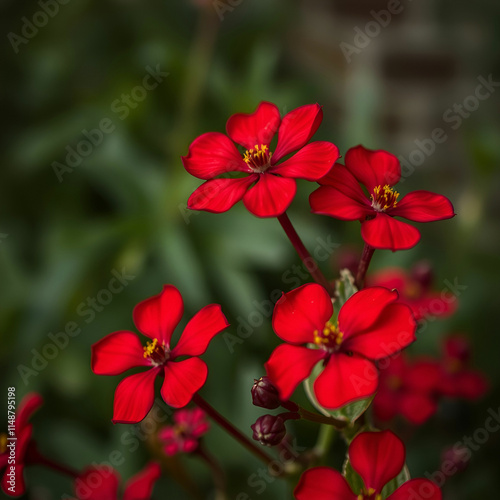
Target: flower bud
269, 430
423, 274
265, 394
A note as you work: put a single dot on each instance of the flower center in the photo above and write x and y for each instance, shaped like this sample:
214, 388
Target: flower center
156, 353
258, 158
394, 382
329, 338
3, 443
384, 198
369, 494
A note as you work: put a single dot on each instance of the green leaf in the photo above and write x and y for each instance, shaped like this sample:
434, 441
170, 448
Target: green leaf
393, 485
344, 287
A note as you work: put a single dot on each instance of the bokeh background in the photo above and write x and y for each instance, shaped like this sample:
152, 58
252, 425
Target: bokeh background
122, 208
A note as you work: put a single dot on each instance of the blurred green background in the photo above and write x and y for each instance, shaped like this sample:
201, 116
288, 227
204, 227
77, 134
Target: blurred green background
122, 206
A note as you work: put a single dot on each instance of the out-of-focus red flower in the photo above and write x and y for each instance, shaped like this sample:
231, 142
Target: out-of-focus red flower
457, 378
13, 464
378, 457
342, 197
184, 436
102, 483
157, 318
371, 326
213, 155
407, 389
415, 291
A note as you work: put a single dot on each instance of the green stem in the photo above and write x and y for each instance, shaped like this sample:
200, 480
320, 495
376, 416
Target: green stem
325, 439
322, 419
232, 430
309, 263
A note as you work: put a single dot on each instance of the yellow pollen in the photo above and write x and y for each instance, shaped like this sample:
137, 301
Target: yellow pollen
384, 197
150, 348
3, 443
329, 335
368, 494
258, 158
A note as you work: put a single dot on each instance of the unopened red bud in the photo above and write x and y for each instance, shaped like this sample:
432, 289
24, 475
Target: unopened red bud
265, 394
269, 430
423, 274
457, 457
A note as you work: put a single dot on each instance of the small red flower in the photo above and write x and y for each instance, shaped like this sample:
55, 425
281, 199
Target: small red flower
378, 457
419, 296
157, 318
214, 154
457, 379
22, 432
342, 197
371, 326
184, 436
407, 389
102, 483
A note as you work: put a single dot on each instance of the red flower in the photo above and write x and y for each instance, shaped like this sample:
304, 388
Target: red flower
214, 154
378, 457
371, 326
183, 437
102, 483
408, 389
156, 318
417, 295
14, 464
342, 197
457, 379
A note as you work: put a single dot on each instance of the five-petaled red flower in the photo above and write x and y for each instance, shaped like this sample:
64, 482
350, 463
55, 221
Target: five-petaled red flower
341, 196
213, 154
184, 436
13, 452
157, 318
102, 483
378, 457
371, 326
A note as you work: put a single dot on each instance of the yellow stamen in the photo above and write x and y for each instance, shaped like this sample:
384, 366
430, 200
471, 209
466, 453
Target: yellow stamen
384, 198
150, 348
258, 158
330, 335
3, 442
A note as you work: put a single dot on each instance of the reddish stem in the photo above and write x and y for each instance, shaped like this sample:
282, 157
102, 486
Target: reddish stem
35, 457
309, 263
366, 257
232, 430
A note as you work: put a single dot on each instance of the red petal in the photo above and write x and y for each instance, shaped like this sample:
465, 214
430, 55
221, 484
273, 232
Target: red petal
141, 485
116, 353
158, 316
417, 408
345, 379
200, 330
219, 195
296, 128
299, 312
341, 179
310, 163
373, 168
182, 380
363, 308
417, 489
28, 405
289, 365
213, 154
251, 129
384, 232
433, 304
377, 457
134, 397
19, 487
23, 440
323, 483
330, 201
423, 376
97, 483
385, 404
394, 330
424, 206
390, 278
271, 196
